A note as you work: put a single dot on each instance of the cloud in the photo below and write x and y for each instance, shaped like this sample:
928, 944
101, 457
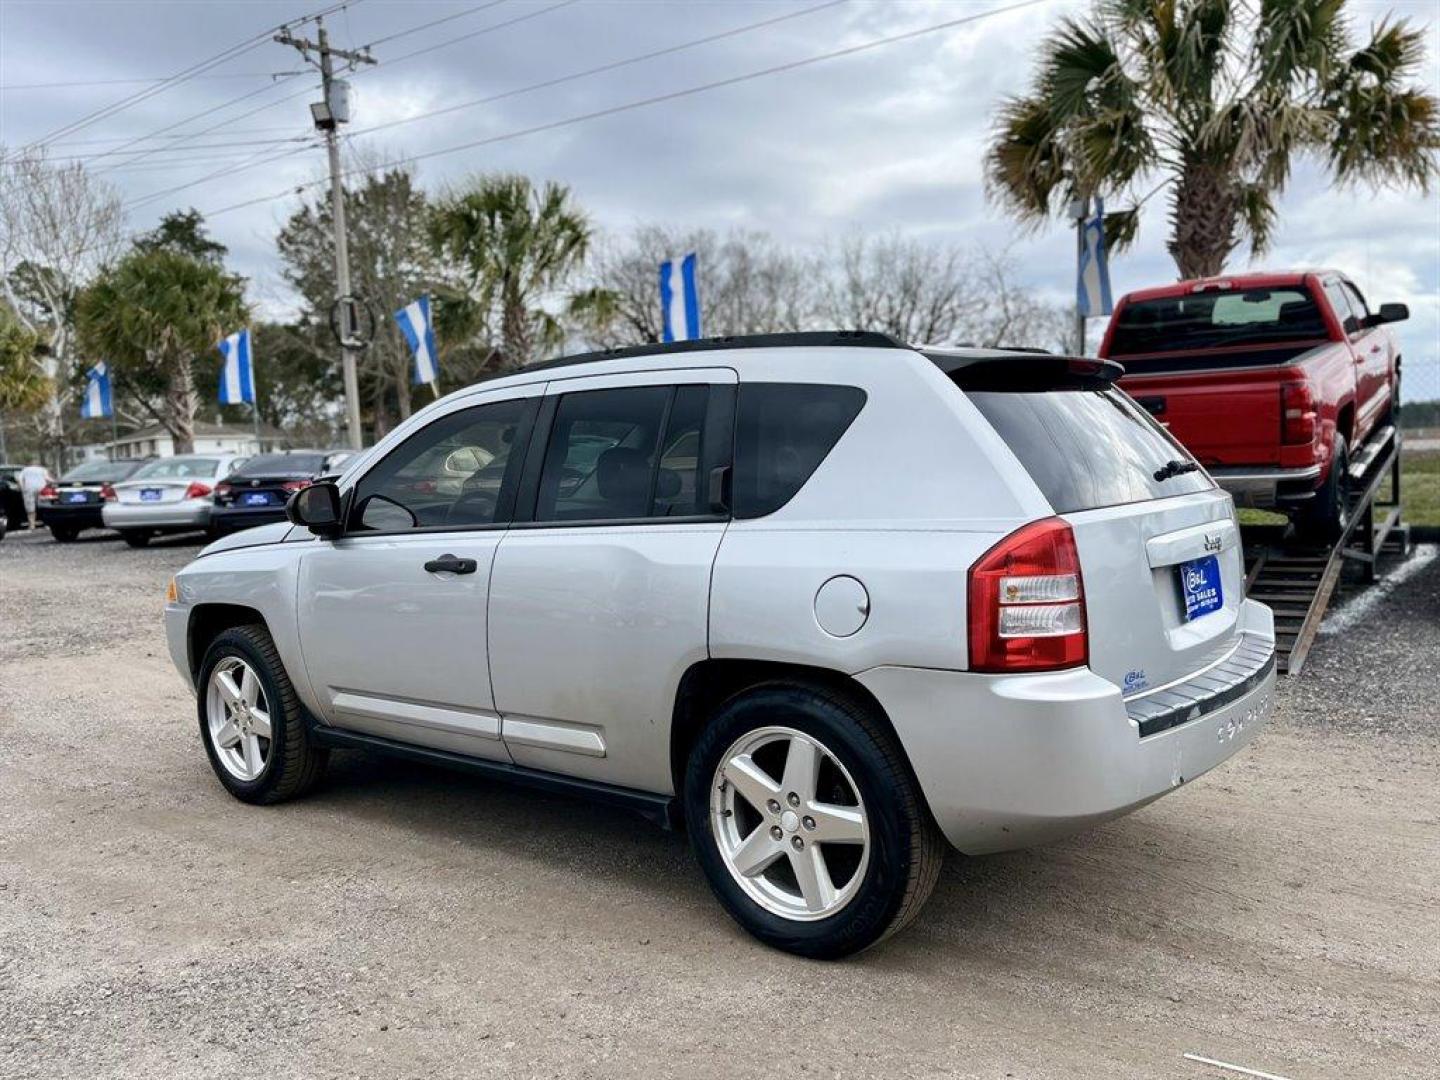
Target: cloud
890, 139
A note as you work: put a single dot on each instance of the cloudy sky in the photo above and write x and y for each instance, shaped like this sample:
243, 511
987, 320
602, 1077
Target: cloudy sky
887, 139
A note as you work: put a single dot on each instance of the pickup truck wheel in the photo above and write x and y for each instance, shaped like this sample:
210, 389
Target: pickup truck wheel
1329, 514
251, 722
807, 822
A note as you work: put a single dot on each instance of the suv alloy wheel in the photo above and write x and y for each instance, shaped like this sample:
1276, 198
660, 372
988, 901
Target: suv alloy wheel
807, 821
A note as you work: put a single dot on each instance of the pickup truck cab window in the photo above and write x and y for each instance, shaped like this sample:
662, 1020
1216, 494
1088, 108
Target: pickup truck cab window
1217, 319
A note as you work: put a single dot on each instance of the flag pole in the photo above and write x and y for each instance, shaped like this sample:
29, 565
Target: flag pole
1078, 210
254, 396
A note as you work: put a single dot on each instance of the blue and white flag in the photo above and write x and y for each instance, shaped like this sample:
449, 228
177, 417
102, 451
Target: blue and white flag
1092, 286
237, 378
96, 402
419, 331
679, 300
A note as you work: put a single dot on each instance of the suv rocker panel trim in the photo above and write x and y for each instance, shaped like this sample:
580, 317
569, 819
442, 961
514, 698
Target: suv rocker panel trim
662, 810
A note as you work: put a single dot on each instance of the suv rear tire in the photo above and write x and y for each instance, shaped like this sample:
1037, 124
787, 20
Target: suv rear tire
262, 752
1329, 514
756, 829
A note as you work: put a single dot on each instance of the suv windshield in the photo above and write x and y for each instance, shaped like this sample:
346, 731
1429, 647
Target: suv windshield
282, 465
1216, 320
1089, 448
177, 468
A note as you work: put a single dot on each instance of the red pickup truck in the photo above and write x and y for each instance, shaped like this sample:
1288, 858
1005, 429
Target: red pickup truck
1272, 381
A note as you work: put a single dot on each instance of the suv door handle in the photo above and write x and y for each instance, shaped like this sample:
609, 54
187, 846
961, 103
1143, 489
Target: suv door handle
449, 564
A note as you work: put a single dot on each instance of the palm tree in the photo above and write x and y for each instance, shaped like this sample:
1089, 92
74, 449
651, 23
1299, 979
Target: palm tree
513, 245
23, 385
1214, 99
150, 316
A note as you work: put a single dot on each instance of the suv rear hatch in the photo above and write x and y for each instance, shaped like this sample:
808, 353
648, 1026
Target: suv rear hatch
1159, 549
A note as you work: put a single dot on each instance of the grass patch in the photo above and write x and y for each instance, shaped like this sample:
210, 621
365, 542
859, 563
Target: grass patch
1420, 486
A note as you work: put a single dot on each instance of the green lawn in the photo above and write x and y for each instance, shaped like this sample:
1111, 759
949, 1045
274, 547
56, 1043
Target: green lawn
1419, 484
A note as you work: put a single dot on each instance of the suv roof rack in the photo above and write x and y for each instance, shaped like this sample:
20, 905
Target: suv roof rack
864, 339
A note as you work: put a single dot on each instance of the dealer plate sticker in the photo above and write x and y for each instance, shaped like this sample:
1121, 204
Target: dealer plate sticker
1200, 590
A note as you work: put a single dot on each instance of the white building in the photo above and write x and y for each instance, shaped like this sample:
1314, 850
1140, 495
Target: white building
155, 441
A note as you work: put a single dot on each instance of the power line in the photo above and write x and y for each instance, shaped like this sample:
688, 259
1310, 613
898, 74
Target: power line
734, 32
643, 102
477, 33
601, 69
180, 76
11, 87
102, 155
304, 92
433, 22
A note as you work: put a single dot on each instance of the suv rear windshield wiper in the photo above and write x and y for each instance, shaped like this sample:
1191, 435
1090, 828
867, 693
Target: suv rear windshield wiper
1176, 467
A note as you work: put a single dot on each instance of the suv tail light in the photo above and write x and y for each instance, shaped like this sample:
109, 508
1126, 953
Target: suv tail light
107, 493
1297, 414
49, 491
295, 485
197, 490
1027, 602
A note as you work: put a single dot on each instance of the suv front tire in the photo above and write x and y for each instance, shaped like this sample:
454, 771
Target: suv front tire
251, 722
807, 821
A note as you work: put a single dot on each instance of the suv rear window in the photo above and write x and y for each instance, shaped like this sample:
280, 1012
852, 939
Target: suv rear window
1217, 320
782, 433
1086, 449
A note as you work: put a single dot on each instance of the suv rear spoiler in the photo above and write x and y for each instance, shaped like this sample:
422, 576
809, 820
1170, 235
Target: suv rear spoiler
1015, 370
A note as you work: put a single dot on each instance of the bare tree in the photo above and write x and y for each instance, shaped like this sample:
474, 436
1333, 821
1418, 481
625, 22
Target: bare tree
58, 226
749, 284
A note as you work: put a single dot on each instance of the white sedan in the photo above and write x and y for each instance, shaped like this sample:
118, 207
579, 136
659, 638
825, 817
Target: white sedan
169, 495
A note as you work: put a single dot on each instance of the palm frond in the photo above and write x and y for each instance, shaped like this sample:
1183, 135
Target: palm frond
1257, 216
1296, 39
1121, 227
1026, 162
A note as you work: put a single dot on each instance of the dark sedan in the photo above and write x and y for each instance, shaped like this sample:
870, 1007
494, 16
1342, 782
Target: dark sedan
74, 503
256, 493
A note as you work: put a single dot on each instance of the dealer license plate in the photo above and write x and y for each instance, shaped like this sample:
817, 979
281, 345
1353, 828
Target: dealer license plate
256, 498
1200, 590
77, 496
150, 494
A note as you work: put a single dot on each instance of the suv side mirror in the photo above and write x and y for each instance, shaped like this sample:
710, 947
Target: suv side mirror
316, 507
1389, 313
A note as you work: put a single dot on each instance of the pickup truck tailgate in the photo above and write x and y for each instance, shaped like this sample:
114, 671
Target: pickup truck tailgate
1220, 420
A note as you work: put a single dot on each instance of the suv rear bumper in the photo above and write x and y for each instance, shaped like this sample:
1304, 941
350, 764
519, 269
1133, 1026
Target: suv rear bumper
1006, 761
1266, 488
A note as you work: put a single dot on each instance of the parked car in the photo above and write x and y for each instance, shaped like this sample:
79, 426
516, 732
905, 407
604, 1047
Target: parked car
74, 502
1272, 380
255, 493
825, 597
167, 495
12, 504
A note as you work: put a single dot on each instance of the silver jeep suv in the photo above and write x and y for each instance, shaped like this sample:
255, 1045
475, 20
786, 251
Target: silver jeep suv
824, 598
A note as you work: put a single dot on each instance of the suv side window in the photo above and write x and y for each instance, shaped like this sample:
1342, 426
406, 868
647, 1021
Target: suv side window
625, 454
783, 431
460, 471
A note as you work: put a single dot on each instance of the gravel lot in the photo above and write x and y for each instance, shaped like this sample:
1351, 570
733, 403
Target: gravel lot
1282, 913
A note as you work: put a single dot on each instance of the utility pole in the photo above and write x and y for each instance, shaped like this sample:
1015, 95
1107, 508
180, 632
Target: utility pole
329, 114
